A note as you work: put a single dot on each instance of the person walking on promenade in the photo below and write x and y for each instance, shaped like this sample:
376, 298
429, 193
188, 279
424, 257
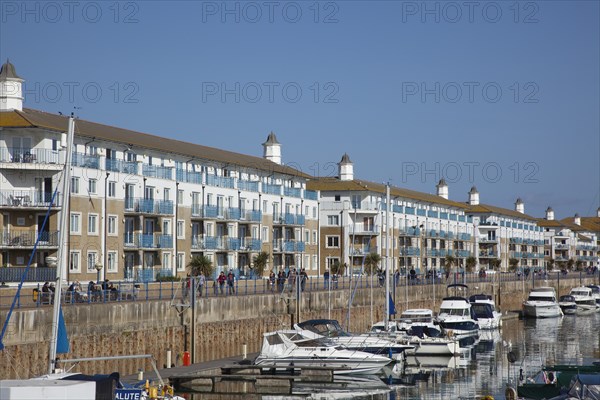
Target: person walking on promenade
326, 279
230, 283
201, 282
221, 281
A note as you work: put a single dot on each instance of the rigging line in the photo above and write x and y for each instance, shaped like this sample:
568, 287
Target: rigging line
26, 270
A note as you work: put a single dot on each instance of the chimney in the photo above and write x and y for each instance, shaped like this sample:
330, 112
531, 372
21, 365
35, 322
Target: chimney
473, 196
549, 214
520, 206
11, 91
346, 168
272, 149
442, 189
577, 219
598, 212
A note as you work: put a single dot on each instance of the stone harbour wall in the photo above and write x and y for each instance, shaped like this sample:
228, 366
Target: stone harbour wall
223, 325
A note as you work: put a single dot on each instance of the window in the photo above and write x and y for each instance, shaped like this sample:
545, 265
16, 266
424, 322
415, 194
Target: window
75, 185
92, 257
333, 241
333, 220
315, 237
112, 225
306, 210
111, 260
180, 196
166, 227
254, 204
166, 261
265, 234
75, 223
92, 183
92, 224
112, 189
307, 236
180, 261
315, 262
314, 212
167, 194
180, 229
336, 197
75, 262
265, 206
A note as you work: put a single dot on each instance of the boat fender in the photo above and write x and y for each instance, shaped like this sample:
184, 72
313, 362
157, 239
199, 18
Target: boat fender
450, 333
510, 393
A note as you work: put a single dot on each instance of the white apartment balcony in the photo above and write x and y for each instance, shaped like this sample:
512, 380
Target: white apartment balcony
358, 208
361, 228
487, 239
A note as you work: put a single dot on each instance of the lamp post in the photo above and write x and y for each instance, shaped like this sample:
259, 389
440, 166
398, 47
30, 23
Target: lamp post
98, 268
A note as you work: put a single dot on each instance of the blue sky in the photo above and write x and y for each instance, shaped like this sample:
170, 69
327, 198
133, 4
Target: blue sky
501, 95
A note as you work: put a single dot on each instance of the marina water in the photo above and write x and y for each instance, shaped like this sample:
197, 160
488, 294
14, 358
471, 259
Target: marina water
484, 368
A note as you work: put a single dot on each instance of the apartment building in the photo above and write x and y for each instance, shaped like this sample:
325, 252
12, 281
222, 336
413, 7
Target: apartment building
143, 205
422, 230
504, 234
571, 242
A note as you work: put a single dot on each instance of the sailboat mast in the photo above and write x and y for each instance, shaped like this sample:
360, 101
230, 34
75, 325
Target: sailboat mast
387, 255
63, 256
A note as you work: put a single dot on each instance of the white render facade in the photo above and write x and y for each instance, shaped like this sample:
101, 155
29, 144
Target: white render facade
142, 205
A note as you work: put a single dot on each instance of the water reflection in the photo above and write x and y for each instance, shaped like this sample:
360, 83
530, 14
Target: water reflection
480, 370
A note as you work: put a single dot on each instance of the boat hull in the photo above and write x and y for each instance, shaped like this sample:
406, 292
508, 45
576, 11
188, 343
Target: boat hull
339, 366
551, 310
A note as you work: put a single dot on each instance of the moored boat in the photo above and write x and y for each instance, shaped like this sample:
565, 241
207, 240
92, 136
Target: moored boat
585, 302
542, 303
486, 314
289, 349
567, 304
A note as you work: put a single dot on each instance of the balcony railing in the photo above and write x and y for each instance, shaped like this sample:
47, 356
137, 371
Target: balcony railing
486, 239
249, 186
28, 198
249, 244
126, 167
85, 160
410, 251
41, 274
271, 189
33, 156
310, 195
147, 241
27, 238
220, 181
288, 219
288, 246
363, 250
254, 216
188, 176
148, 206
486, 254
157, 171
292, 192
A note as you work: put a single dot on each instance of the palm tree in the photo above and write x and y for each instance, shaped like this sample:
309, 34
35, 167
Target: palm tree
513, 263
570, 264
337, 268
371, 262
579, 265
260, 263
550, 264
470, 264
449, 261
495, 263
201, 265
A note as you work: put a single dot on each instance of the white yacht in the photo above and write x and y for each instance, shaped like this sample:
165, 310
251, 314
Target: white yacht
542, 303
586, 303
289, 348
456, 314
567, 304
595, 293
416, 316
331, 329
485, 311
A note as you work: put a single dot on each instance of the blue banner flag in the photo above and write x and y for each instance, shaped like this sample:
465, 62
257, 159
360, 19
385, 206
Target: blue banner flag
392, 306
62, 341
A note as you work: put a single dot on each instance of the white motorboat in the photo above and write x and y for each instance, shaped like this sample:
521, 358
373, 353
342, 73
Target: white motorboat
485, 311
586, 303
416, 316
331, 329
456, 314
595, 293
542, 303
567, 304
289, 348
429, 341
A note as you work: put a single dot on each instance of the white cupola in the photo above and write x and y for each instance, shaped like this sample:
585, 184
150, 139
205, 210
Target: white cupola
549, 214
11, 91
272, 149
473, 196
442, 189
346, 168
577, 219
520, 206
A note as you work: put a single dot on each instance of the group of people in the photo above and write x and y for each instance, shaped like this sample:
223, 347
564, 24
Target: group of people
282, 279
